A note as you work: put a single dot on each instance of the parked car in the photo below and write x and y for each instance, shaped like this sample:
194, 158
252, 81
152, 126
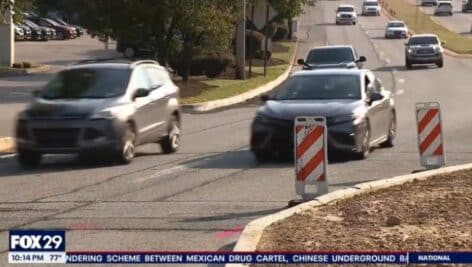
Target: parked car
39, 33
19, 33
360, 113
396, 29
62, 32
467, 6
371, 7
429, 2
443, 7
28, 34
333, 56
105, 108
424, 49
346, 14
79, 30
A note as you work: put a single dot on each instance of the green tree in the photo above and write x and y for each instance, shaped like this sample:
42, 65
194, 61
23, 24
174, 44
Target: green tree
289, 9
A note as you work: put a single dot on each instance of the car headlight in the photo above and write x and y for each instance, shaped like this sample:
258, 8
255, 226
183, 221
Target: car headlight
410, 51
338, 15
103, 115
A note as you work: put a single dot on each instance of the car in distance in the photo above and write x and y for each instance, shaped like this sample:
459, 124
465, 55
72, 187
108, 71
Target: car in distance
429, 2
443, 7
424, 49
467, 6
396, 29
19, 33
371, 7
28, 33
62, 32
39, 33
346, 14
107, 108
79, 30
333, 56
359, 112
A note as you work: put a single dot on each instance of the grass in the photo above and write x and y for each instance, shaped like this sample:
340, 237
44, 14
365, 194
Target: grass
201, 90
424, 24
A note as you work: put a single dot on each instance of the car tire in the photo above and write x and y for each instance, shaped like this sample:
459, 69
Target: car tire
61, 36
262, 156
354, 23
392, 132
128, 147
364, 153
440, 63
129, 52
408, 64
171, 142
337, 22
29, 159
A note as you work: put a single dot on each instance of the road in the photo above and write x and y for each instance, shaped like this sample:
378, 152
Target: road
459, 22
201, 197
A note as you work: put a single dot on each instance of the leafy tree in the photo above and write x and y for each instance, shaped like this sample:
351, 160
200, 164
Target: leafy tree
288, 9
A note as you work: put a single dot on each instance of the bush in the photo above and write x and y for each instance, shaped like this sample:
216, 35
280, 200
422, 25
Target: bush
27, 65
281, 33
270, 30
17, 65
254, 43
209, 65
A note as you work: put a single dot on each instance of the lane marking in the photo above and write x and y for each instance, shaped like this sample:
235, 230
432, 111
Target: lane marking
387, 60
400, 92
401, 80
7, 156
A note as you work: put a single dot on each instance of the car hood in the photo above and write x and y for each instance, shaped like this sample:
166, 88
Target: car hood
289, 109
58, 108
416, 47
344, 65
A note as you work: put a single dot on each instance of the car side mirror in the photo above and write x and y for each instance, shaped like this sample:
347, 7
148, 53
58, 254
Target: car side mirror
362, 59
375, 96
265, 98
443, 43
36, 93
405, 44
141, 92
301, 62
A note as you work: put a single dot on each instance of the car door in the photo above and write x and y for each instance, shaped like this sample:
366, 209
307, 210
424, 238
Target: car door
159, 96
375, 109
144, 105
385, 110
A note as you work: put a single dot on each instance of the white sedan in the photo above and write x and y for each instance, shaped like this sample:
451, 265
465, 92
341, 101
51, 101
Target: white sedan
396, 29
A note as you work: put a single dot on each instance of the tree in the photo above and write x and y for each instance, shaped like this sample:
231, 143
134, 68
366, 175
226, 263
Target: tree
288, 9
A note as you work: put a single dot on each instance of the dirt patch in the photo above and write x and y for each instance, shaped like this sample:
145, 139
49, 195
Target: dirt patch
431, 215
193, 87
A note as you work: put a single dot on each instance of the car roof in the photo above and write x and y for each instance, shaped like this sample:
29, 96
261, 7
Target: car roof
331, 46
396, 21
113, 64
316, 72
424, 35
346, 6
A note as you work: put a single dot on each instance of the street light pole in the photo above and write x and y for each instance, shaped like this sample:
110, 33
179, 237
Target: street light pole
241, 41
7, 37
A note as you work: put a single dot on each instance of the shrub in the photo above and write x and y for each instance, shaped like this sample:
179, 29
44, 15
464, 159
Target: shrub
254, 43
17, 65
270, 30
27, 65
281, 33
208, 65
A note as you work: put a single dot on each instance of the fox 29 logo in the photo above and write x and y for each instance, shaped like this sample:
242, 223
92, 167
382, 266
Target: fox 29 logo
37, 241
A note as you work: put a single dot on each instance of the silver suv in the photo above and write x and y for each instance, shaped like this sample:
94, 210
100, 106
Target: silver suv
424, 49
101, 108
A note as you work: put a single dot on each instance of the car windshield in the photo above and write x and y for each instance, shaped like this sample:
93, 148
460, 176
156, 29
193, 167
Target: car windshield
444, 5
87, 83
61, 21
396, 25
330, 55
345, 9
371, 4
52, 22
423, 40
320, 87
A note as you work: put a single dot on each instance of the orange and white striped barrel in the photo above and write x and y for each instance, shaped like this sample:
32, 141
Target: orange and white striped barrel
430, 136
310, 141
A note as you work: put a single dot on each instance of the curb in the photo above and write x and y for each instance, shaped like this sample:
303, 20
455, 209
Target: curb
411, 32
20, 72
7, 145
221, 103
253, 231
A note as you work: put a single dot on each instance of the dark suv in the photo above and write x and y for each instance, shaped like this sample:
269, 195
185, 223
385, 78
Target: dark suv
333, 56
101, 107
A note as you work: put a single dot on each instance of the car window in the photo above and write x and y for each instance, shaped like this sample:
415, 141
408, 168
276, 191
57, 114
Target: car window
423, 40
141, 79
87, 83
396, 24
345, 9
157, 77
320, 87
44, 23
330, 55
371, 4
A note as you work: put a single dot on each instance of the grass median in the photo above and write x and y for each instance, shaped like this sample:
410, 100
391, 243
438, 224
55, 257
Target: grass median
420, 22
201, 89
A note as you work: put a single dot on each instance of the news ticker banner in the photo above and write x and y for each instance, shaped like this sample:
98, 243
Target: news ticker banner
36, 246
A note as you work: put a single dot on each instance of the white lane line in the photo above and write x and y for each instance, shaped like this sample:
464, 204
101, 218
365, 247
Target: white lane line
401, 80
7, 156
382, 53
400, 92
165, 172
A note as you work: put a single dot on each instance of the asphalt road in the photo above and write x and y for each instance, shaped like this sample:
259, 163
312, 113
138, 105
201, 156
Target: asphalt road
201, 197
459, 22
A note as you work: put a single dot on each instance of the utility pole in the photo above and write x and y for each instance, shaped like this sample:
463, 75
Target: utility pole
7, 40
241, 41
266, 41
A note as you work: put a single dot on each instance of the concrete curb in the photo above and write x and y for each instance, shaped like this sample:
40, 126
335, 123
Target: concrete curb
411, 32
7, 145
221, 103
252, 233
19, 72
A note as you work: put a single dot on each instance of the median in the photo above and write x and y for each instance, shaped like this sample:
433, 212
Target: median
420, 22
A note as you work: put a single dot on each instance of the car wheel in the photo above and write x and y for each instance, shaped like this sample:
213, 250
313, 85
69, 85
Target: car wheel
440, 63
365, 143
262, 156
392, 132
129, 52
408, 64
61, 36
128, 147
354, 23
337, 22
29, 159
171, 142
